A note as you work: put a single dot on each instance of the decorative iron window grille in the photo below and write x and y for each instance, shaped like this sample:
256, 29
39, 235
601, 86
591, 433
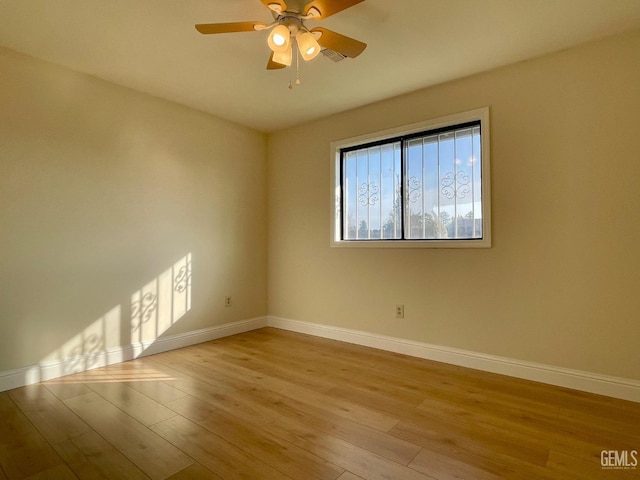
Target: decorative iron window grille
424, 186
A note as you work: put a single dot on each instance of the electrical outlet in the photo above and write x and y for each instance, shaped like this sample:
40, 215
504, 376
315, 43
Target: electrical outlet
227, 301
399, 311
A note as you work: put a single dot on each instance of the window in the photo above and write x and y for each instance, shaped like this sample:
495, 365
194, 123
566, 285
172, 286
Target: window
423, 185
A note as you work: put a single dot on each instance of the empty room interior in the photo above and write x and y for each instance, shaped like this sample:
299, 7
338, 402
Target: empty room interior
328, 239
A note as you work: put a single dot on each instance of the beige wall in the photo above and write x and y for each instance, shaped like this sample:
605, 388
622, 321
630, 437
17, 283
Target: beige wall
561, 284
102, 191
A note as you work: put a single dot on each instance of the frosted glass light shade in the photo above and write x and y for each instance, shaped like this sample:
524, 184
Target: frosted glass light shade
283, 56
308, 46
279, 39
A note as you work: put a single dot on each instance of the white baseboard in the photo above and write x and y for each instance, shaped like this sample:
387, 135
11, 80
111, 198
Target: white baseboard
54, 369
622, 388
616, 387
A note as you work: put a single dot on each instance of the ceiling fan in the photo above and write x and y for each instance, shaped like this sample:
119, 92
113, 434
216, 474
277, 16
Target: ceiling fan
289, 25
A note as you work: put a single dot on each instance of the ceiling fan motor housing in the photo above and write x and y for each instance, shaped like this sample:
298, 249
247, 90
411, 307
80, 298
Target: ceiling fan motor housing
293, 22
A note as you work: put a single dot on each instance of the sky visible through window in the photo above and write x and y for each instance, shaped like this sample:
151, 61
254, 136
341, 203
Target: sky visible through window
440, 186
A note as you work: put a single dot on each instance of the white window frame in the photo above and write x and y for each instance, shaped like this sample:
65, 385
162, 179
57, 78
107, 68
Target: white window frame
480, 114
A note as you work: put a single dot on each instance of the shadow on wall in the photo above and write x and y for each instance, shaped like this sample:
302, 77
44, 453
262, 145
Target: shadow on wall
154, 308
160, 303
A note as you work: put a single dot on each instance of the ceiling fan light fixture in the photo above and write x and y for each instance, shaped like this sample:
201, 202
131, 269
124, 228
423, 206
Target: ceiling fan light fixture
279, 39
308, 46
283, 57
289, 37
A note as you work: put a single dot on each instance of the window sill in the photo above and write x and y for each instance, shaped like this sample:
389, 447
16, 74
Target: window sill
480, 243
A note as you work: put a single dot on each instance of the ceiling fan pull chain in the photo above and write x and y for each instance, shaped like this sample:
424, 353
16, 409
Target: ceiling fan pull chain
296, 53
297, 65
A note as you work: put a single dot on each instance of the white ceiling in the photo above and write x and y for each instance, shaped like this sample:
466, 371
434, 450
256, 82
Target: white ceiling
152, 46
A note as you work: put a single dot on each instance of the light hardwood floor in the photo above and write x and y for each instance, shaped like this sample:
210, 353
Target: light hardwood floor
271, 404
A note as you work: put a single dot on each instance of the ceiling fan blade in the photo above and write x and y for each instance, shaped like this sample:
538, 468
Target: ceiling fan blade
326, 8
271, 65
275, 5
208, 28
339, 43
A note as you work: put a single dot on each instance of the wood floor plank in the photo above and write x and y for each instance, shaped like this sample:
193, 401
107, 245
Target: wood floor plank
397, 406
66, 389
160, 391
442, 441
23, 450
376, 442
95, 375
599, 406
152, 454
446, 468
205, 385
91, 457
322, 371
344, 454
49, 414
195, 472
531, 422
136, 370
349, 476
219, 393
275, 365
304, 349
22, 460
132, 402
323, 421
226, 400
449, 439
373, 440
357, 413
530, 430
216, 454
59, 472
273, 451
523, 428
601, 426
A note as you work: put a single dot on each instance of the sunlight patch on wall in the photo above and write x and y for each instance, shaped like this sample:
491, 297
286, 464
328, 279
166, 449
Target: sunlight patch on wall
160, 303
90, 348
155, 307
